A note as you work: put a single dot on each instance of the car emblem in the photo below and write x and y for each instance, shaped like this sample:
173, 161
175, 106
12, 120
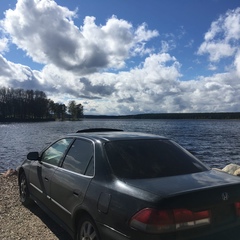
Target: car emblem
225, 196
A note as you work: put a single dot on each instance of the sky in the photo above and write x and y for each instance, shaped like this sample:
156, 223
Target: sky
121, 57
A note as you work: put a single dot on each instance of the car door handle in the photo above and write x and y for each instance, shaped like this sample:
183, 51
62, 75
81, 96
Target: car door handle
76, 194
46, 179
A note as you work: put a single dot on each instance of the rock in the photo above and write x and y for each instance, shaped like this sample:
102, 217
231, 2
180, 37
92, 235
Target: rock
218, 169
237, 172
9, 172
231, 168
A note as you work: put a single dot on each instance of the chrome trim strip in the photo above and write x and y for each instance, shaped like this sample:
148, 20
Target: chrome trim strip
39, 190
48, 197
59, 205
79, 174
114, 230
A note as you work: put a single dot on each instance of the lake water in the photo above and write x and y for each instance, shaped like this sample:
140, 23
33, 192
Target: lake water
215, 142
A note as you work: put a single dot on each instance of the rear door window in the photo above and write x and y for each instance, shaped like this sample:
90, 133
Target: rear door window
150, 159
79, 158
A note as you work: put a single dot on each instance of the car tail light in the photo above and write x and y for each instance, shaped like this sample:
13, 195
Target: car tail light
237, 207
155, 221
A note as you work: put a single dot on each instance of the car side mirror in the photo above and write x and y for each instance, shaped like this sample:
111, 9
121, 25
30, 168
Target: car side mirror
33, 156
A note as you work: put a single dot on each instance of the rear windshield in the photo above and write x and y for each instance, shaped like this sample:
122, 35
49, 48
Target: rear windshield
150, 159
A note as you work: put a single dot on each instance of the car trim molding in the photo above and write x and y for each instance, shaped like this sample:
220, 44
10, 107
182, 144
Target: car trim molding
59, 205
39, 190
75, 173
116, 231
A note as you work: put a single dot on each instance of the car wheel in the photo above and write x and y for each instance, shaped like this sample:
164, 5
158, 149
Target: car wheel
87, 230
23, 190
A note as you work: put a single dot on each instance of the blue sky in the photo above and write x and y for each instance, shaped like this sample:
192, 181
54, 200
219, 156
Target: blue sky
125, 57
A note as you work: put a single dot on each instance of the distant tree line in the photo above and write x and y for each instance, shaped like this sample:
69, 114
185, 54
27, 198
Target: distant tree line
207, 115
30, 105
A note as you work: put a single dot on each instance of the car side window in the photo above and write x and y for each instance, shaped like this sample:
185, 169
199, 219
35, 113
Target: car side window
55, 152
79, 158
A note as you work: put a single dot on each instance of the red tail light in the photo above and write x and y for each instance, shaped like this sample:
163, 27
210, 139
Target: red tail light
237, 207
155, 221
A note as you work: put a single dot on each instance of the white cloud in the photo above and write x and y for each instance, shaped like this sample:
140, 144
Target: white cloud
3, 45
142, 34
232, 25
222, 39
216, 50
87, 49
154, 86
165, 46
77, 62
237, 63
212, 67
19, 76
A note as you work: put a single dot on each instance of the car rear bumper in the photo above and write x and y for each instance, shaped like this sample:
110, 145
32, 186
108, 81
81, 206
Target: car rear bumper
232, 233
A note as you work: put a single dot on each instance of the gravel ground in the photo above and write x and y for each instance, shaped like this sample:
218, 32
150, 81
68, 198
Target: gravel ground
18, 222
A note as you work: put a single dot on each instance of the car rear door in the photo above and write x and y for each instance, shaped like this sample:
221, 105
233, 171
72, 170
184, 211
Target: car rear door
70, 182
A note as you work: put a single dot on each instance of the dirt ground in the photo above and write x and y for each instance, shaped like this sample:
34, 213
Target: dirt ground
18, 222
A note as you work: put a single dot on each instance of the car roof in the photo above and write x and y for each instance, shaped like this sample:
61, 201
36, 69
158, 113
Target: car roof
106, 134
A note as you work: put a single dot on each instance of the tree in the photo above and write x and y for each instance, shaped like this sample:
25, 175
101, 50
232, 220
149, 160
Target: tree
19, 104
60, 110
76, 110
79, 110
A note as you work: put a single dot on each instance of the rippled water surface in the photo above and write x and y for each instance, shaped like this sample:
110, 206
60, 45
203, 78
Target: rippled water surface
215, 142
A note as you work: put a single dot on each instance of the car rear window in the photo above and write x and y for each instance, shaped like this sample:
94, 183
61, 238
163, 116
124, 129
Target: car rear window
136, 159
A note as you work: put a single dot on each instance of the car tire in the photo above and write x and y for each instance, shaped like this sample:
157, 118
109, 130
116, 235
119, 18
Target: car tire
87, 229
23, 191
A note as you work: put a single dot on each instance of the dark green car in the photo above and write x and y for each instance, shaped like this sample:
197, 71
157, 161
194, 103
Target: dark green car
113, 185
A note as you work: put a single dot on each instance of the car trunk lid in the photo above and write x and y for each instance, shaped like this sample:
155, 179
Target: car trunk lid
212, 191
204, 188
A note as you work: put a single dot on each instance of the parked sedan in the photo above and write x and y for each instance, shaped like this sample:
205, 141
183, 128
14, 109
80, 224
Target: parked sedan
107, 184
